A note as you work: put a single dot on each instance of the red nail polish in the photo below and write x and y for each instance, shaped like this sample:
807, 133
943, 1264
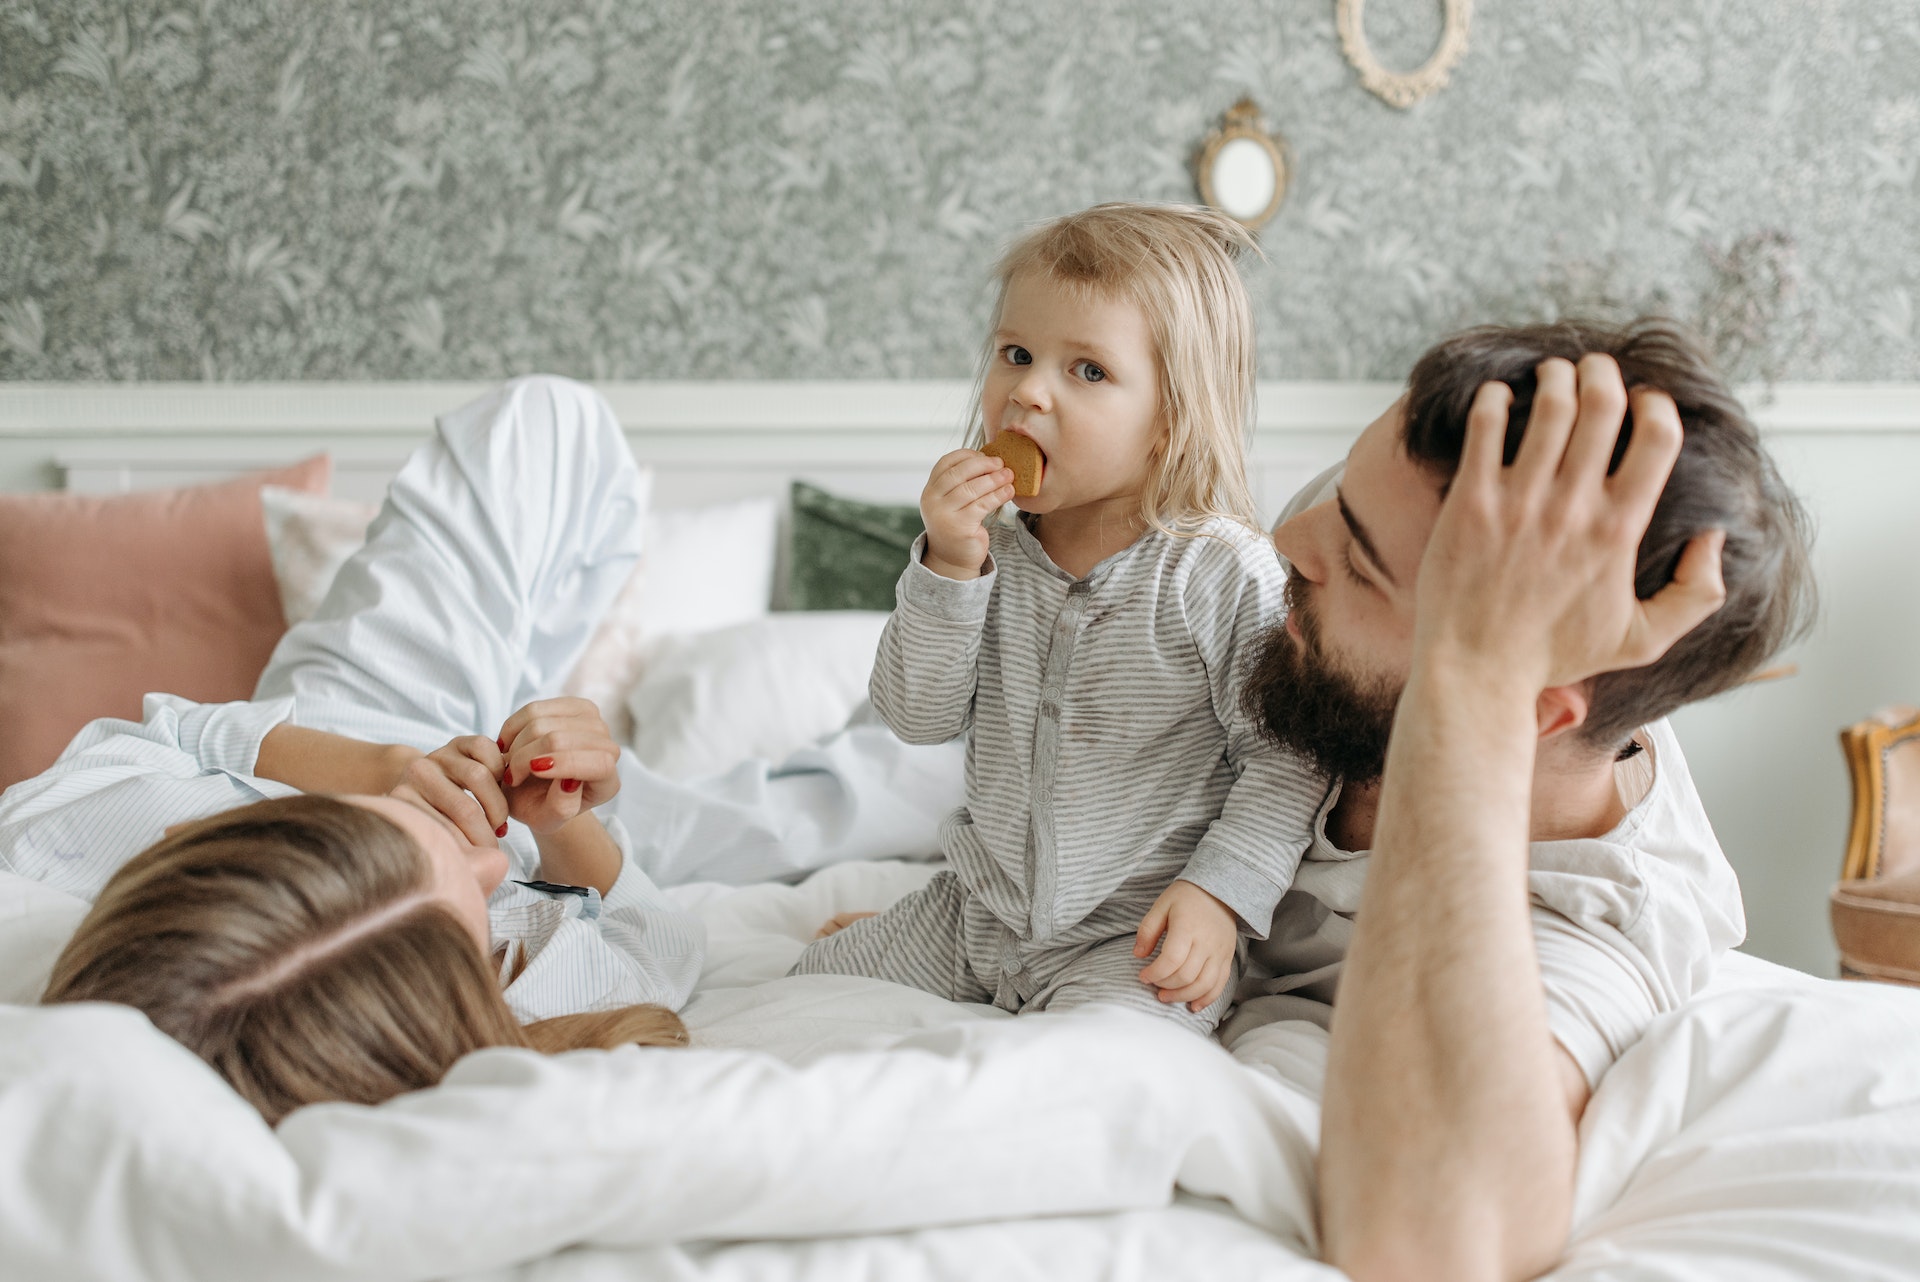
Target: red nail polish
506, 777
502, 743
569, 785
501, 831
540, 763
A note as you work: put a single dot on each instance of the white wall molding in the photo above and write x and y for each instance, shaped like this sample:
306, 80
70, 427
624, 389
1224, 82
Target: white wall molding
78, 411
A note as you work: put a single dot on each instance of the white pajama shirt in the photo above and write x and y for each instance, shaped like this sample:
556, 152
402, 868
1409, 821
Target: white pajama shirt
500, 546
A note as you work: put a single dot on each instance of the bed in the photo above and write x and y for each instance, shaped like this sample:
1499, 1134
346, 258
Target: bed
826, 1127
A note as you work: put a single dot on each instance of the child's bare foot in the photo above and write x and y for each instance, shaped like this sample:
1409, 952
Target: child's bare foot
839, 922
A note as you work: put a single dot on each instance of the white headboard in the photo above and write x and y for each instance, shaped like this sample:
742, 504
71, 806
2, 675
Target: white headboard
707, 442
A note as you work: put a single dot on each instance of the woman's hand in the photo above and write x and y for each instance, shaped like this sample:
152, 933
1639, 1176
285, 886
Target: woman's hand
462, 781
553, 760
965, 488
1530, 568
559, 760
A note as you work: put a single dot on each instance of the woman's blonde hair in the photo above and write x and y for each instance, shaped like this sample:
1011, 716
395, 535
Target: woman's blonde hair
1177, 264
295, 946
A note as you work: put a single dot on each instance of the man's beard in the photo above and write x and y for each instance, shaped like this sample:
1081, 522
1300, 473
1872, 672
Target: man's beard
1339, 724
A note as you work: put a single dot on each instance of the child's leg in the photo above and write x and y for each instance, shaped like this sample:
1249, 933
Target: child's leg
501, 544
1110, 972
917, 942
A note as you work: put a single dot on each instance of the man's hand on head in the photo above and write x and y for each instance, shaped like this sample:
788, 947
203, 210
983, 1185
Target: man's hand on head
1530, 569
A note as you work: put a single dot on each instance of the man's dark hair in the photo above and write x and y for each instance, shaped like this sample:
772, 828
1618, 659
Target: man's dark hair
1723, 480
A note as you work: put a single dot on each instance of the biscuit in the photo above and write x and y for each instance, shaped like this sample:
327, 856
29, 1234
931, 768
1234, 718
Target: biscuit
1023, 456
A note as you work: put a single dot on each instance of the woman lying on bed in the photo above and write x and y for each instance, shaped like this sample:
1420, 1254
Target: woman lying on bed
335, 891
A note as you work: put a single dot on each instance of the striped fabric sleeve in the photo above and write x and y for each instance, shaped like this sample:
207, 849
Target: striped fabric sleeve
119, 784
1248, 856
588, 953
928, 662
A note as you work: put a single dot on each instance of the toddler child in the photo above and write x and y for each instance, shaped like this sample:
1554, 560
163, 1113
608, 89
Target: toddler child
1126, 823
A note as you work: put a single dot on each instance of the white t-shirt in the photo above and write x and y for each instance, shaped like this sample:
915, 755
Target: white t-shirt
1627, 926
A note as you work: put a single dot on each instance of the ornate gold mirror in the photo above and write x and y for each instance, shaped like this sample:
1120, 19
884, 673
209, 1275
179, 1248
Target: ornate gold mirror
1403, 88
1242, 168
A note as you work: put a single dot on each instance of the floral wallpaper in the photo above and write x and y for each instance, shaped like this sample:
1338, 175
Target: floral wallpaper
349, 189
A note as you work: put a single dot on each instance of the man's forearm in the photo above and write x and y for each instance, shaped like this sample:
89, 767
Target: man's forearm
1447, 1145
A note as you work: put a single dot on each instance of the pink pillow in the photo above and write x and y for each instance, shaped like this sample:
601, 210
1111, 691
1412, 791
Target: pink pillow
103, 599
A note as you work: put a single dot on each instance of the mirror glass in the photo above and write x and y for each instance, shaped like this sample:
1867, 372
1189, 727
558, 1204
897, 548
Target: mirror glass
1243, 179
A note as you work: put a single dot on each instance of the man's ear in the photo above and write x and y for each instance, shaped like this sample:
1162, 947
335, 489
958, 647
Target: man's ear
1561, 708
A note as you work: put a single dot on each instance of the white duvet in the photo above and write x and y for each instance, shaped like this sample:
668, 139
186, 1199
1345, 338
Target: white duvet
838, 1128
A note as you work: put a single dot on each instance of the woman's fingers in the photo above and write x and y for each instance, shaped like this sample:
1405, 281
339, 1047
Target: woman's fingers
542, 760
558, 770
552, 712
577, 746
479, 780
429, 778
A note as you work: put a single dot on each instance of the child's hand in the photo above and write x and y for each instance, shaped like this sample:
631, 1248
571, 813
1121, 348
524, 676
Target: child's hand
839, 922
966, 487
1201, 936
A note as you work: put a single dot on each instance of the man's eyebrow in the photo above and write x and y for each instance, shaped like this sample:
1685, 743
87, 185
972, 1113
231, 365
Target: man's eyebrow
1361, 536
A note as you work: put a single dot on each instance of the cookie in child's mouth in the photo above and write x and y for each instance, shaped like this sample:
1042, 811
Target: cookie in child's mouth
1019, 452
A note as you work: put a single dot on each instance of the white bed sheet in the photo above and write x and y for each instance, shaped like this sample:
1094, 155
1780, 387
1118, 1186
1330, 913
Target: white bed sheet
835, 1128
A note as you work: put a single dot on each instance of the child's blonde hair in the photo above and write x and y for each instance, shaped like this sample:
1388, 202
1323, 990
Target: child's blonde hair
1177, 264
295, 946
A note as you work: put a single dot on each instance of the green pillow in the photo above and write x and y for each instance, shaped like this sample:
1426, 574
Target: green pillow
847, 554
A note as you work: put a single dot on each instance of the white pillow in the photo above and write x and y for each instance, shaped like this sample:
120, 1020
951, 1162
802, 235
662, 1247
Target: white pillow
708, 567
35, 923
706, 702
700, 568
309, 537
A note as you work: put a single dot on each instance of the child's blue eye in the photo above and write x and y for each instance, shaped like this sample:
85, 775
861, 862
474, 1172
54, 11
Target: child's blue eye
1091, 372
1014, 354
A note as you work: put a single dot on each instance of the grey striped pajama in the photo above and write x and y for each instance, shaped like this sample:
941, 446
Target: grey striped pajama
1109, 756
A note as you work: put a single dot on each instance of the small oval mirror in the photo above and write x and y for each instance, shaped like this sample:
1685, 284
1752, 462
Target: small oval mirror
1243, 179
1241, 168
